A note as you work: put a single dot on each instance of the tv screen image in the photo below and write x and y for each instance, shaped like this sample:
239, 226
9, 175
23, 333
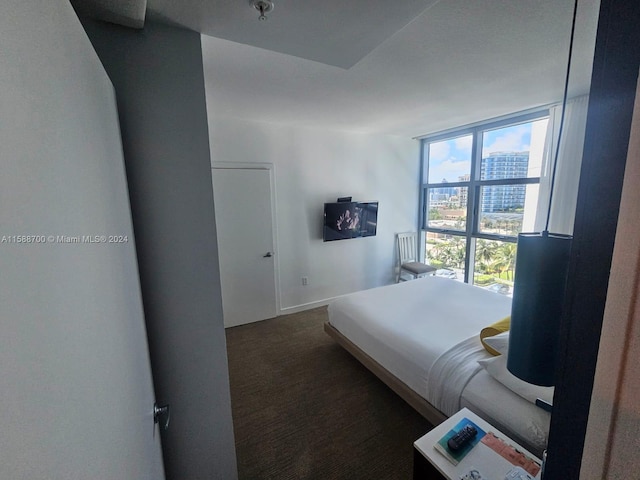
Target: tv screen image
343, 220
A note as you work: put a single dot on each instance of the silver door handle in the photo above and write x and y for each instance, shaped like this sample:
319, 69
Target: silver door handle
268, 255
159, 411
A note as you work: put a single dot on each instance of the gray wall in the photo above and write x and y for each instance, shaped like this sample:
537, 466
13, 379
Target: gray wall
158, 77
76, 391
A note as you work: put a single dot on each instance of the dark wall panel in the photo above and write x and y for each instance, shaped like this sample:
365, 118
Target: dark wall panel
613, 88
158, 78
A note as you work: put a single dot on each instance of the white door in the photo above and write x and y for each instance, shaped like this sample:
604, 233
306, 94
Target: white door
244, 224
76, 390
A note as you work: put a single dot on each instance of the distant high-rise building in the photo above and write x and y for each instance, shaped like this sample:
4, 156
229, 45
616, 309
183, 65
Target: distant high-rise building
463, 192
501, 166
441, 195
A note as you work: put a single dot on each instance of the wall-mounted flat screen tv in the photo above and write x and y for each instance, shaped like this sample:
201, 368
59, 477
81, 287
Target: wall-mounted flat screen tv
343, 220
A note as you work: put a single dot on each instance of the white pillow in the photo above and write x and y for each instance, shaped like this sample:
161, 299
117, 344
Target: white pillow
497, 368
500, 342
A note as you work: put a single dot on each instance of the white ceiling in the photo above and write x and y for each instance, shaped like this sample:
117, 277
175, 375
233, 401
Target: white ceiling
129, 13
405, 67
335, 32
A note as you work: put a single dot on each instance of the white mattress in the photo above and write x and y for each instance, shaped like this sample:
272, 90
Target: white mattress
508, 412
426, 333
408, 326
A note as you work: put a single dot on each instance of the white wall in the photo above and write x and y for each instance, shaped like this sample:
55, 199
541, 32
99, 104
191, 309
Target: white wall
314, 166
75, 385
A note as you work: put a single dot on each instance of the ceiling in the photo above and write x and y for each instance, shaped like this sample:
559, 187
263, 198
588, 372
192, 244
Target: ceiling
335, 32
130, 13
407, 67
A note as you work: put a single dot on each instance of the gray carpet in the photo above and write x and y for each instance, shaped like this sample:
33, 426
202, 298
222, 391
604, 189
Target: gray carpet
303, 408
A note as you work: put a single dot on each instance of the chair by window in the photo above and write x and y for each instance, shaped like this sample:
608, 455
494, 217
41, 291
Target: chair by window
408, 257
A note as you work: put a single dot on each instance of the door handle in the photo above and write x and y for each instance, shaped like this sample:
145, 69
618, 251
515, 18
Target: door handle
268, 255
162, 411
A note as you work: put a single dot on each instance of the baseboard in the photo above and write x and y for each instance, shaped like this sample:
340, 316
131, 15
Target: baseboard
306, 306
321, 303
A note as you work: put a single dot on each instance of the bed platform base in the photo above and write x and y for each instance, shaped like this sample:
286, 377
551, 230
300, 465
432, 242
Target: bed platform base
424, 408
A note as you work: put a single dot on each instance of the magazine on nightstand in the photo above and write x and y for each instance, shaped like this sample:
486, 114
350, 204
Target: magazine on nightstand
455, 457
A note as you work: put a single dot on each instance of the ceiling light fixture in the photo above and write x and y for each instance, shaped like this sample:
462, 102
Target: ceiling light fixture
264, 7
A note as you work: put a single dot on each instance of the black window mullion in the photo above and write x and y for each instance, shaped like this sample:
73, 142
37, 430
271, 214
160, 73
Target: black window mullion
424, 173
509, 181
473, 202
447, 185
499, 238
425, 208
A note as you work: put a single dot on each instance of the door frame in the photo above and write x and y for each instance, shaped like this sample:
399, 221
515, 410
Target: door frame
270, 167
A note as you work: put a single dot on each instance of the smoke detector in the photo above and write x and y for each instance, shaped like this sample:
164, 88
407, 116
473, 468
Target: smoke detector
264, 7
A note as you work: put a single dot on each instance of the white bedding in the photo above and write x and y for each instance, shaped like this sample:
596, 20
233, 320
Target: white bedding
527, 423
451, 373
426, 333
406, 327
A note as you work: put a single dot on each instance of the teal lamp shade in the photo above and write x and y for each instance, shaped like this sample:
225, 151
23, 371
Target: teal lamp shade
542, 264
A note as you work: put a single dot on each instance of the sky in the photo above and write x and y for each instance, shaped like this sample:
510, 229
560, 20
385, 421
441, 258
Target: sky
451, 158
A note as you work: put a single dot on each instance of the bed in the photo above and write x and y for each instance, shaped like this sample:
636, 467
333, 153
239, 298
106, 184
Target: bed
421, 338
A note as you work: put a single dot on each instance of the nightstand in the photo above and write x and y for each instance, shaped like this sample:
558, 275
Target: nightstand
429, 464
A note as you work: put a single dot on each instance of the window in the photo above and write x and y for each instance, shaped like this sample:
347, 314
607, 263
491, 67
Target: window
480, 189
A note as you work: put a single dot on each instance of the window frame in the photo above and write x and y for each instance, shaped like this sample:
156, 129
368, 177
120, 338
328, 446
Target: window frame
472, 232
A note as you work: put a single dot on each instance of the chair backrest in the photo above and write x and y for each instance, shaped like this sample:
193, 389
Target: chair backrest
407, 247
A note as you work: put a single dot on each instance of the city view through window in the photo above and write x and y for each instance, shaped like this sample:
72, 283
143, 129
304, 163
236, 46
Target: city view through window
478, 200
